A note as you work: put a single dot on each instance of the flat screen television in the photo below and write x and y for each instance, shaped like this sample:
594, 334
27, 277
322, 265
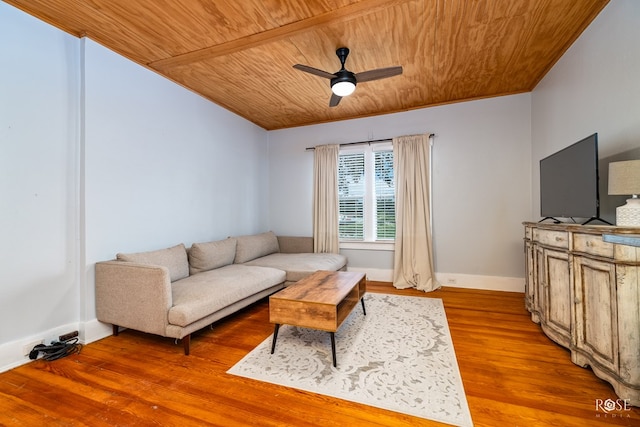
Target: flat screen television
569, 182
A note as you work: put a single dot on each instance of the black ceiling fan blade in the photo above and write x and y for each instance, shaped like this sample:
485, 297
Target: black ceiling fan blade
313, 71
380, 73
335, 100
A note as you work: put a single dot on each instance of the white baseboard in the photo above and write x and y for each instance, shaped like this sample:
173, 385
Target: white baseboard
95, 330
467, 281
489, 283
375, 274
12, 353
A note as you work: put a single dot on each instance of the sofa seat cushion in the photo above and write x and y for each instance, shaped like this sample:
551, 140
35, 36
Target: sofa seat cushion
202, 294
174, 258
299, 266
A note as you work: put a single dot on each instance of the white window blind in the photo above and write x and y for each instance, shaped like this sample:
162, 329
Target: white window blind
385, 211
351, 193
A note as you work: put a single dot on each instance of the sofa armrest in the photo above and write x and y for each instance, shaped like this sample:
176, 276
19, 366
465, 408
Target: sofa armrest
295, 244
133, 295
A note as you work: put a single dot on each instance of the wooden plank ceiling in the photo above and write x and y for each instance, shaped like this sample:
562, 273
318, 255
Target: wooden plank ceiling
239, 54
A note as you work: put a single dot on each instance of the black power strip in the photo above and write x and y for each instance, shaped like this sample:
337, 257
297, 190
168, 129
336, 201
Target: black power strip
69, 336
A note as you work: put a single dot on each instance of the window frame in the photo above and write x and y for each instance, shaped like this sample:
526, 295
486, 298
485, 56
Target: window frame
369, 240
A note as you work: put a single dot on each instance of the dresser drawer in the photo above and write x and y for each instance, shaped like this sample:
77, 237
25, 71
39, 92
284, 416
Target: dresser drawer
592, 244
557, 239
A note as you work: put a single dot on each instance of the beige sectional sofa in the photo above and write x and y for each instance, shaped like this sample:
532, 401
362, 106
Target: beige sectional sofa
176, 291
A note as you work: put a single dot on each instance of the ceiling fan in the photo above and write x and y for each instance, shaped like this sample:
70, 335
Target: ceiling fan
343, 81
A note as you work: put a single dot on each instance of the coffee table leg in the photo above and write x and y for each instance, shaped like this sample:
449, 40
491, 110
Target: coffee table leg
275, 337
364, 310
333, 348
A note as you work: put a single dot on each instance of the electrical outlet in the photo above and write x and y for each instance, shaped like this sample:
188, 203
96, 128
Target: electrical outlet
28, 347
452, 281
67, 337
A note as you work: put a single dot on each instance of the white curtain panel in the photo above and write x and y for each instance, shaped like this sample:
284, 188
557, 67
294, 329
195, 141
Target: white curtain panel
325, 199
413, 259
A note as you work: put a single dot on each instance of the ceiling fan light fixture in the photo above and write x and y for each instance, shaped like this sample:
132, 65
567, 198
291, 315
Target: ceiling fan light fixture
344, 83
343, 88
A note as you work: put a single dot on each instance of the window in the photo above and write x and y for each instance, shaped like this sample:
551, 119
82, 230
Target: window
366, 193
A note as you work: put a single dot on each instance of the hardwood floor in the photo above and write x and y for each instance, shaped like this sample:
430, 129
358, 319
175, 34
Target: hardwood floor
513, 376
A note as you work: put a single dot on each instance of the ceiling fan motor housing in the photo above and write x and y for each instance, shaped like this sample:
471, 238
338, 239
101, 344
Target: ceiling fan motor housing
344, 76
344, 82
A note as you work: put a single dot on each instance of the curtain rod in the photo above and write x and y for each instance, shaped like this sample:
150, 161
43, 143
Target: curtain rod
373, 141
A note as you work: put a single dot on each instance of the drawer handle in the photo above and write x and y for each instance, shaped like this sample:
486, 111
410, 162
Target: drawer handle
589, 243
559, 239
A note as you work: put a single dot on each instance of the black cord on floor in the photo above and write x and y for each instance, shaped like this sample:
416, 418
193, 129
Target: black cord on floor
56, 350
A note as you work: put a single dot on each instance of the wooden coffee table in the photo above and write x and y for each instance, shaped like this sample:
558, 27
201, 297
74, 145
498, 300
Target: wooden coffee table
319, 301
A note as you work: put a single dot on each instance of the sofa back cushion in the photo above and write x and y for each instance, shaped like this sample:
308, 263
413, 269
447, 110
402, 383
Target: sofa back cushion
174, 258
210, 255
255, 246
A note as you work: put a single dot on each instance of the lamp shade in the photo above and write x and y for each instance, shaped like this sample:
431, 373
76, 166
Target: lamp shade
624, 177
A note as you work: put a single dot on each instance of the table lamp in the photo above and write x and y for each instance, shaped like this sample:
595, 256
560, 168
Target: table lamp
624, 179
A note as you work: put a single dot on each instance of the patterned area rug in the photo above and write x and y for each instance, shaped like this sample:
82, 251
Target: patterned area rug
398, 357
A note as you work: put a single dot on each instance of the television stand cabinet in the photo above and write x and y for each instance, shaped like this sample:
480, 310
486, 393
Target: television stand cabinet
585, 294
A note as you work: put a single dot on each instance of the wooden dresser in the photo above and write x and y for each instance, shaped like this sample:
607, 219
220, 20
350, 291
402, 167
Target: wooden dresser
585, 294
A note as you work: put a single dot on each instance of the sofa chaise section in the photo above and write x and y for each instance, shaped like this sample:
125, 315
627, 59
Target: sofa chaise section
292, 254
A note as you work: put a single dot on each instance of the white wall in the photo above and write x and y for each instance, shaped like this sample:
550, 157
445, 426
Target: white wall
98, 156
481, 182
39, 252
594, 87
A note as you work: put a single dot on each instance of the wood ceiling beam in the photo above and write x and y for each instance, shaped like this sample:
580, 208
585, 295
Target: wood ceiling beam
346, 13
